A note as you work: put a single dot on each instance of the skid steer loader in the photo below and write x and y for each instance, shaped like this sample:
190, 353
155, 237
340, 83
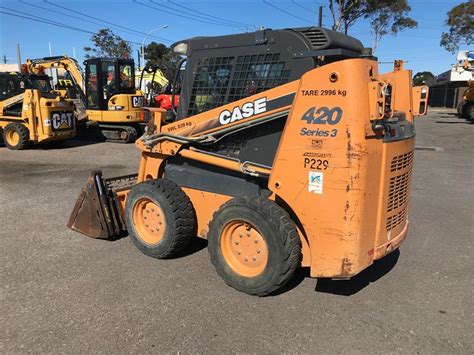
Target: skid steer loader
32, 112
288, 149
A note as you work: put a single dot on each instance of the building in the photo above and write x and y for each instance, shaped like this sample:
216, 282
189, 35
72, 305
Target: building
447, 89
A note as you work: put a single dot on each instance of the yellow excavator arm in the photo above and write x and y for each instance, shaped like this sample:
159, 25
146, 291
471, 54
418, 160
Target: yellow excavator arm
61, 62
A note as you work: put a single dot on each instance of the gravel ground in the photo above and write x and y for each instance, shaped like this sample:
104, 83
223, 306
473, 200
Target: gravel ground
63, 292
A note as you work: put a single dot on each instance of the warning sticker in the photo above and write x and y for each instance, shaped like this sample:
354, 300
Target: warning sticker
315, 182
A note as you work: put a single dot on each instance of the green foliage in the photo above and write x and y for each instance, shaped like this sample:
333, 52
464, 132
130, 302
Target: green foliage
421, 77
461, 27
107, 44
158, 54
386, 16
345, 13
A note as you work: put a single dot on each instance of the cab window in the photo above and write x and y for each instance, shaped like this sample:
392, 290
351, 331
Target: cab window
126, 77
92, 93
108, 78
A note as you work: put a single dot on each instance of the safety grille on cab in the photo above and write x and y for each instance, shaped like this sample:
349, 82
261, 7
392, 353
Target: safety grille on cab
401, 161
316, 37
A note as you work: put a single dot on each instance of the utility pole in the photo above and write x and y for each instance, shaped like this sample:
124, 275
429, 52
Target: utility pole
4, 59
18, 55
74, 52
50, 50
320, 19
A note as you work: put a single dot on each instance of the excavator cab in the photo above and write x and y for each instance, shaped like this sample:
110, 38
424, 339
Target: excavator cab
107, 77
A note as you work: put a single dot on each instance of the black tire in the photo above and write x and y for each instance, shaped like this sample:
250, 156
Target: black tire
178, 214
470, 112
1, 136
279, 233
23, 133
132, 135
460, 109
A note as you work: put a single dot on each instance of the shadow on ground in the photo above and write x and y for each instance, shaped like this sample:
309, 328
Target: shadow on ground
457, 122
349, 287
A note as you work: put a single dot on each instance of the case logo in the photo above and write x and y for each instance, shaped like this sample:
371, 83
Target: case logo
247, 110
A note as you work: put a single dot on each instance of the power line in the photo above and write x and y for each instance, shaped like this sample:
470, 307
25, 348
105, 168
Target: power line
244, 25
303, 7
107, 22
286, 12
72, 16
36, 18
180, 14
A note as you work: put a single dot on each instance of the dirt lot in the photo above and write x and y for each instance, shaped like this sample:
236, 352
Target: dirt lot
63, 292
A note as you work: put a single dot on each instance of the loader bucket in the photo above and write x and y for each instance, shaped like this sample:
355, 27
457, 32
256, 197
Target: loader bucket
95, 213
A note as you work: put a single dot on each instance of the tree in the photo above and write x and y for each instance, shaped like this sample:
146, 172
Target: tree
388, 16
420, 78
159, 55
107, 44
461, 27
345, 13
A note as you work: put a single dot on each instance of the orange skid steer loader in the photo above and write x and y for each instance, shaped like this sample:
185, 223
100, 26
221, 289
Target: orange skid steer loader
288, 149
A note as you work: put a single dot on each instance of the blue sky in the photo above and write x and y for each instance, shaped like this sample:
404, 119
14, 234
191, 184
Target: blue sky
420, 47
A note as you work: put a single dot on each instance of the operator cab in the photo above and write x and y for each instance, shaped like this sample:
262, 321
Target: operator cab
224, 69
106, 77
12, 84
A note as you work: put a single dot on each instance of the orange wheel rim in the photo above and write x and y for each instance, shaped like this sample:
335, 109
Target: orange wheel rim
13, 137
149, 221
244, 248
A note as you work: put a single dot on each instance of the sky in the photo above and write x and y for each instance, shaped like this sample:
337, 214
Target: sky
132, 19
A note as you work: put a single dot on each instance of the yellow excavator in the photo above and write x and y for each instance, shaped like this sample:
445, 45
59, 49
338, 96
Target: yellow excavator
107, 93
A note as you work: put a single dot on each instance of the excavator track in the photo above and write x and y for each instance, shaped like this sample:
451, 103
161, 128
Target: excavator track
118, 134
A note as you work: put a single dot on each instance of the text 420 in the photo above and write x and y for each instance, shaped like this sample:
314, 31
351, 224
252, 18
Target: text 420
323, 115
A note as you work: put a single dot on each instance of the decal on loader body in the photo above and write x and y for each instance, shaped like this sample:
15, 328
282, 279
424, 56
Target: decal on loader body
61, 120
247, 110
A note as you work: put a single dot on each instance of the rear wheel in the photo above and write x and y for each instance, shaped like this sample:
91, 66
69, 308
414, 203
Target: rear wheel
159, 218
16, 136
470, 112
254, 245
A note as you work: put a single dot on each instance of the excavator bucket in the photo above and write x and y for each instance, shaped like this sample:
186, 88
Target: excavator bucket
96, 213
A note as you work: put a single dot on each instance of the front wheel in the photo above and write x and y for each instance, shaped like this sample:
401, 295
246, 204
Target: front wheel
159, 217
254, 245
16, 136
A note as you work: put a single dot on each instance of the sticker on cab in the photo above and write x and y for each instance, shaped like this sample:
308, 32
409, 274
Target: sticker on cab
315, 182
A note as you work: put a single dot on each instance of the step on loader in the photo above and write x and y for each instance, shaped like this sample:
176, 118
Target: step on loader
31, 112
288, 149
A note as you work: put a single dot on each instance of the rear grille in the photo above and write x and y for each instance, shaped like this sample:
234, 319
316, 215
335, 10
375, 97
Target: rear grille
401, 161
398, 191
396, 220
317, 38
